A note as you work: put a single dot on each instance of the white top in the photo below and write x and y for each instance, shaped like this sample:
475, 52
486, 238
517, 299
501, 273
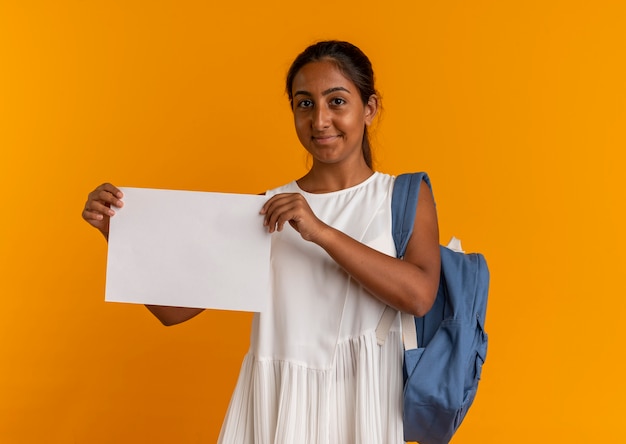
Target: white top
314, 372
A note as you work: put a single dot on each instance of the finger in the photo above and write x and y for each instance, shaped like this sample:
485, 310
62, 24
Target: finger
115, 191
95, 206
283, 213
273, 209
109, 198
104, 196
278, 204
269, 209
89, 215
267, 206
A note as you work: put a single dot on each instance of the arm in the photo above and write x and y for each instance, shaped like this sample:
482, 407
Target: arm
173, 315
409, 285
97, 212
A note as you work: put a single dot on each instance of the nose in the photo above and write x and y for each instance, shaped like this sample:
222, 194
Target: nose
321, 118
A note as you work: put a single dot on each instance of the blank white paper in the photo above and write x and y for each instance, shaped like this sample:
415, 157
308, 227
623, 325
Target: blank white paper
189, 249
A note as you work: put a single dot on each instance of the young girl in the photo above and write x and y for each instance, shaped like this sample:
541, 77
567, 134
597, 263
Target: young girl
315, 372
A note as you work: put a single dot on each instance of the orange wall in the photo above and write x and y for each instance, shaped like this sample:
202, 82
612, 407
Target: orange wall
516, 109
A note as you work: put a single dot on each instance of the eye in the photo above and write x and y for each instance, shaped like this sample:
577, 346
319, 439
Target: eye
306, 103
337, 101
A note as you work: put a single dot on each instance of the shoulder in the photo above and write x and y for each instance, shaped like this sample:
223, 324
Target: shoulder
290, 187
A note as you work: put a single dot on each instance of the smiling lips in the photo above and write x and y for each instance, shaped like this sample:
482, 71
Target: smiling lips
324, 140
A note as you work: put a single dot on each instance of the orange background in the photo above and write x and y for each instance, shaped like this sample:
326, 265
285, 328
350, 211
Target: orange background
516, 109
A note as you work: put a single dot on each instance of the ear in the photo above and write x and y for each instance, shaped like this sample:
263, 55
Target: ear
371, 108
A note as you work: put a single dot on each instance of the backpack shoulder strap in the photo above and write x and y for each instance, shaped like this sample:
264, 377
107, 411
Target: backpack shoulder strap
403, 206
404, 197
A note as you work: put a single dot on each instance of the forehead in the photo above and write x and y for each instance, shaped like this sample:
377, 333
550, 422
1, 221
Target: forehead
320, 76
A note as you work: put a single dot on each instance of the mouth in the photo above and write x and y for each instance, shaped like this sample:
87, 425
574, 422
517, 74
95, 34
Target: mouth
324, 140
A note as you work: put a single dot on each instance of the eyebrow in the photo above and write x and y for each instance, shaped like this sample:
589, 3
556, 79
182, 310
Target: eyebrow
324, 93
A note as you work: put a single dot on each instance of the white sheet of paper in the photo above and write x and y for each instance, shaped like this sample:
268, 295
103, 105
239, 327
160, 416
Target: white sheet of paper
189, 249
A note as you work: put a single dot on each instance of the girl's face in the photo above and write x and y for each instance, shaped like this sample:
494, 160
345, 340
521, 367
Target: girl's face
329, 115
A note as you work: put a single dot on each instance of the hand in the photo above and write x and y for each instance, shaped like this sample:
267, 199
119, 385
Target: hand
97, 211
292, 208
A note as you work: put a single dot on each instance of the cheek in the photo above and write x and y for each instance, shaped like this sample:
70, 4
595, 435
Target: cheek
354, 123
300, 124
302, 130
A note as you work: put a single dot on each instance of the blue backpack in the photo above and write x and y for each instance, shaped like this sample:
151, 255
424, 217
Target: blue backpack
442, 374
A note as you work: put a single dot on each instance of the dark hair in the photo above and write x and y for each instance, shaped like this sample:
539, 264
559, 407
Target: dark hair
352, 63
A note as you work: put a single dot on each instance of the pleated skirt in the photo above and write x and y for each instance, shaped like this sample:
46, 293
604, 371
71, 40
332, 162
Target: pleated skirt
357, 400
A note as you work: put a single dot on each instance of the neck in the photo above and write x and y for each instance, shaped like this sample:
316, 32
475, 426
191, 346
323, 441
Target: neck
326, 178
